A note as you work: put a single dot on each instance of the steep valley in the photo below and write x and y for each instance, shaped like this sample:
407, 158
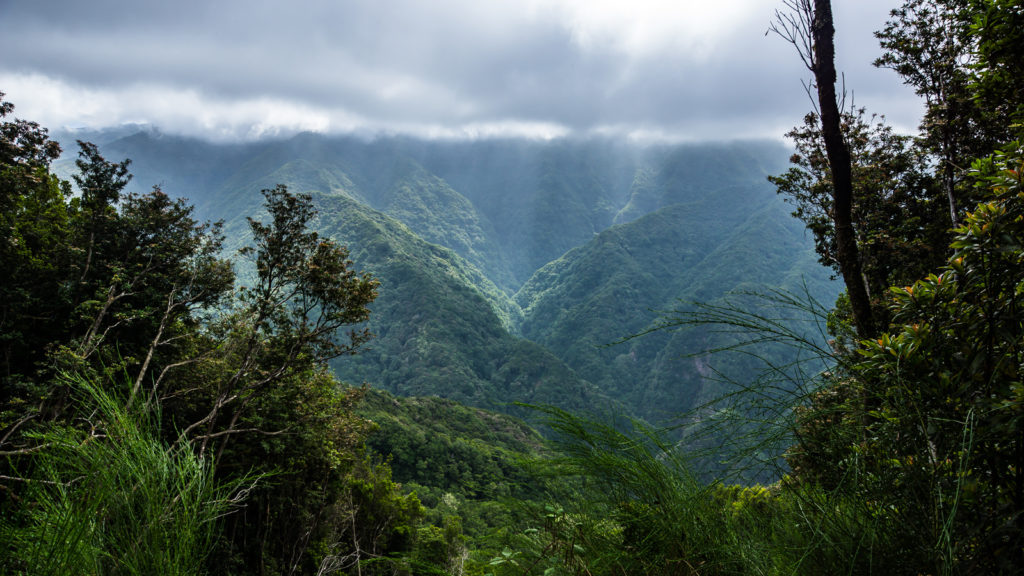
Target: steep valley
509, 269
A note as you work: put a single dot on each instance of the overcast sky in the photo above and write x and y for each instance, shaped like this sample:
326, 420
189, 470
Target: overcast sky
245, 69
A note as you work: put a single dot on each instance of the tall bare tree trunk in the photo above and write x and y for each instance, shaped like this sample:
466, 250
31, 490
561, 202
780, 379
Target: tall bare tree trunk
824, 69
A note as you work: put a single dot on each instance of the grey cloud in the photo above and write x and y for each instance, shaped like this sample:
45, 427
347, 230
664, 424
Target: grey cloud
445, 62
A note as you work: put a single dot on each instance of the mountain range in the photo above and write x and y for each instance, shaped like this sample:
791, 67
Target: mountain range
515, 271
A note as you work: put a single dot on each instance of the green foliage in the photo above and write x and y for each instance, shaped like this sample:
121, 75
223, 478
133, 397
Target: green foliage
305, 289
438, 548
826, 432
453, 229
746, 425
897, 210
466, 465
438, 443
947, 383
999, 28
81, 273
540, 199
34, 231
628, 503
114, 499
374, 524
305, 432
906, 460
440, 215
266, 399
120, 479
906, 457
439, 325
613, 287
933, 46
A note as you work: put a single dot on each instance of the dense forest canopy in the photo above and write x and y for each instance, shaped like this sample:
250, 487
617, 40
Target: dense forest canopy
168, 403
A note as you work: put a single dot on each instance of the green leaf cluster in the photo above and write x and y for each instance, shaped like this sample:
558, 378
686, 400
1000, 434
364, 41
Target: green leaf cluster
156, 420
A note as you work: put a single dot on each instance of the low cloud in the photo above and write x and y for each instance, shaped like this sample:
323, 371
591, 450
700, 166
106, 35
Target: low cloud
449, 68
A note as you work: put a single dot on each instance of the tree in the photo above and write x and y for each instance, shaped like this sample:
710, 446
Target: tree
896, 212
810, 29
305, 433
111, 288
305, 292
998, 81
100, 183
172, 275
951, 423
930, 44
80, 271
34, 232
24, 143
375, 523
264, 394
34, 237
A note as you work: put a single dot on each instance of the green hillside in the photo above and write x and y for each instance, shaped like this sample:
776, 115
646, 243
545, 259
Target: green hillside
570, 244
437, 324
490, 357
457, 459
615, 286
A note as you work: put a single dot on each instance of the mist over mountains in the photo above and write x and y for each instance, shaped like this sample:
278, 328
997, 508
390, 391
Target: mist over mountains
509, 268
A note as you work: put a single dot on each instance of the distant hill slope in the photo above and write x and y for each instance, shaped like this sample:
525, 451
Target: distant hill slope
438, 332
614, 287
569, 244
457, 459
440, 443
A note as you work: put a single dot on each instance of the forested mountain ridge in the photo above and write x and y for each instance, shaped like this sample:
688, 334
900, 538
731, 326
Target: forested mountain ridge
436, 325
527, 202
624, 281
164, 410
572, 245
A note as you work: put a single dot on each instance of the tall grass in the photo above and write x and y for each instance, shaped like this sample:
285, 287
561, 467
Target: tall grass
666, 520
628, 502
640, 503
107, 496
